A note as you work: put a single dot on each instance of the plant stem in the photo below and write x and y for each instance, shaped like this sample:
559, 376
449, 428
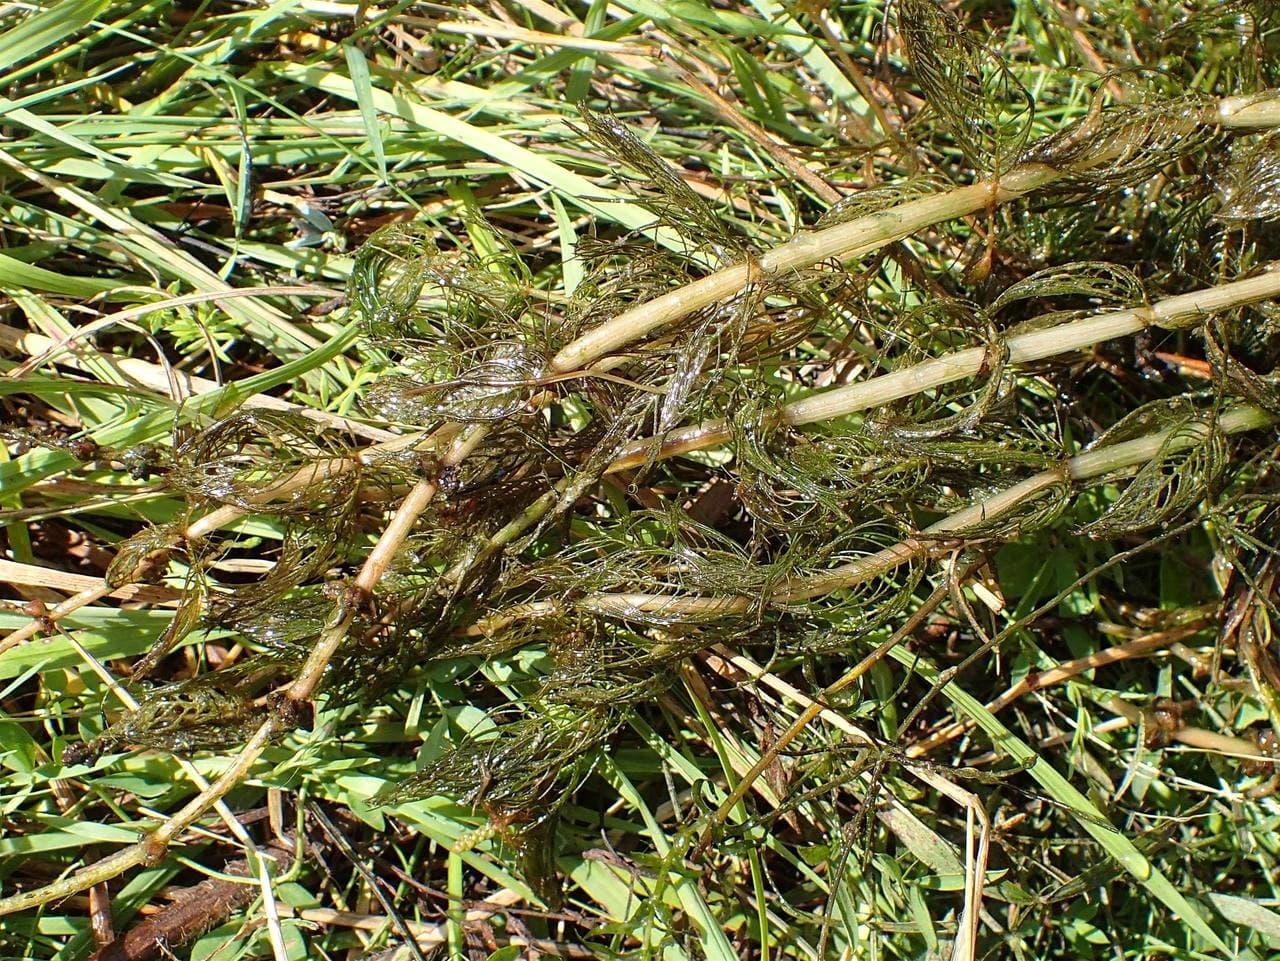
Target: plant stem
376, 564
1038, 681
1172, 313
842, 242
1195, 737
37, 624
152, 845
1084, 466
855, 238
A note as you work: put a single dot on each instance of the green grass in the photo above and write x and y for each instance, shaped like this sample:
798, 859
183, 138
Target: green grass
288, 286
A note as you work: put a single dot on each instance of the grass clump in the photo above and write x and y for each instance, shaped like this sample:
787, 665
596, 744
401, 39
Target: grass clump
603, 510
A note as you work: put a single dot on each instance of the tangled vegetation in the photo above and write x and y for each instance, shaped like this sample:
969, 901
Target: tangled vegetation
640, 480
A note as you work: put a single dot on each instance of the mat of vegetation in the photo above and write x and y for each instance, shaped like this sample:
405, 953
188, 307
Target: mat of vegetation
741, 479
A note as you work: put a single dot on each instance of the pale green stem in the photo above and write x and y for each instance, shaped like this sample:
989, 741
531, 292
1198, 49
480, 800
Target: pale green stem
1091, 464
855, 238
1255, 111
1171, 313
842, 242
152, 845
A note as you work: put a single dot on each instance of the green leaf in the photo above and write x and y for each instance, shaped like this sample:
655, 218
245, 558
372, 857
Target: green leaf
35, 34
1247, 913
1094, 822
358, 70
15, 274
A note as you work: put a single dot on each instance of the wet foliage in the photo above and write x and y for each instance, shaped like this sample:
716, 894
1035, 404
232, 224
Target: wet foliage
545, 569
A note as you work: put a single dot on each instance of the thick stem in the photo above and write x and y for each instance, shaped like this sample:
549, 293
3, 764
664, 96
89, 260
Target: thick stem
1171, 313
850, 240
1250, 112
1084, 466
841, 242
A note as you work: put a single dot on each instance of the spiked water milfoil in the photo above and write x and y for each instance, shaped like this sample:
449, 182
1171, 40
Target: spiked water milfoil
947, 423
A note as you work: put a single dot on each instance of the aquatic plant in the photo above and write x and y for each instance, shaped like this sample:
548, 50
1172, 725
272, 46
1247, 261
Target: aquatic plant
690, 487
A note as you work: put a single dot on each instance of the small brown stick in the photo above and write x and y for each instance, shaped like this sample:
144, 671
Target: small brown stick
1186, 366
194, 911
152, 847
33, 575
1039, 680
224, 811
39, 624
1176, 312
1093, 463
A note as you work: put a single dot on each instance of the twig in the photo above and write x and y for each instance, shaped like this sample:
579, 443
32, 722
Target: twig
1213, 742
72, 604
1170, 313
308, 679
1039, 680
